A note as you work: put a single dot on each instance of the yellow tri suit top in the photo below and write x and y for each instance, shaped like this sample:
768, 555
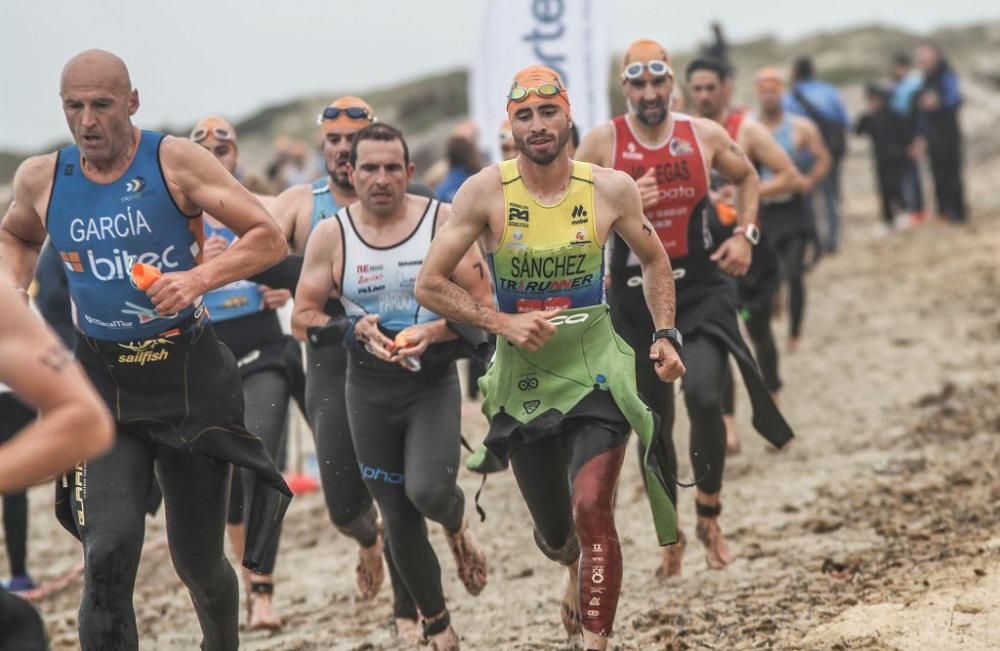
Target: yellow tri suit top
548, 256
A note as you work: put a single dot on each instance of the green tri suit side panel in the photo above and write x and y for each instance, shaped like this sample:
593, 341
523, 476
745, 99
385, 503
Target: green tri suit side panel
584, 355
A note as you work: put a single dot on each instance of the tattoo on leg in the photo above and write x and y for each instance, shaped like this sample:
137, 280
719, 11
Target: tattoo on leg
56, 358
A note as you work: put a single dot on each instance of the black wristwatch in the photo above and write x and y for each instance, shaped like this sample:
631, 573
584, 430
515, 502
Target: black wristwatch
671, 334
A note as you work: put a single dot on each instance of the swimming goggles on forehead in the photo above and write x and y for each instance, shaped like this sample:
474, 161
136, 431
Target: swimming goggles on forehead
520, 93
220, 133
353, 112
657, 68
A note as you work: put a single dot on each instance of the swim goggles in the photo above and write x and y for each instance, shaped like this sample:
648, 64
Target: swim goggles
353, 112
657, 68
520, 93
220, 133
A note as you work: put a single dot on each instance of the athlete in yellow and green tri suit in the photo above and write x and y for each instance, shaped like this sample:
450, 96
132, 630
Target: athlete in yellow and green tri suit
560, 392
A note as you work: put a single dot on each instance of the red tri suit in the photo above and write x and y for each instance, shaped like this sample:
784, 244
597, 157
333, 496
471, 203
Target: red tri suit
681, 217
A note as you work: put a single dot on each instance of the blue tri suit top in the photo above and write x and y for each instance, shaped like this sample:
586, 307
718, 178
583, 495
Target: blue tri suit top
239, 298
101, 229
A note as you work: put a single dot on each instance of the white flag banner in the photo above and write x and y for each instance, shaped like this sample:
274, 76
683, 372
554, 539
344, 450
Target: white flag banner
570, 36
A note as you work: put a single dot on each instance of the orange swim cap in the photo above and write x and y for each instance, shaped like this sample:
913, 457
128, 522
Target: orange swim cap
769, 78
214, 126
531, 78
344, 121
645, 50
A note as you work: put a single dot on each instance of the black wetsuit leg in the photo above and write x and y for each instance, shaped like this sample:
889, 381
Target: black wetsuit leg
15, 416
406, 432
633, 323
765, 350
568, 482
108, 500
728, 392
21, 627
235, 513
349, 504
791, 256
266, 394
195, 499
706, 360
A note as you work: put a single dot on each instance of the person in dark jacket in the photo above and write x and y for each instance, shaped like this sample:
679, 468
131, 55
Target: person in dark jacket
937, 102
890, 141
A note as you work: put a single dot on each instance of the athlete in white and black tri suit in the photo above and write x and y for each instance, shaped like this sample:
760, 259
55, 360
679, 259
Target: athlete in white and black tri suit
402, 383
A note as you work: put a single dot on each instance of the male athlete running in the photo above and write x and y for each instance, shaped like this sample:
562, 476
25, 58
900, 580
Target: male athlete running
788, 219
299, 210
670, 155
560, 393
404, 393
707, 83
117, 198
74, 425
270, 366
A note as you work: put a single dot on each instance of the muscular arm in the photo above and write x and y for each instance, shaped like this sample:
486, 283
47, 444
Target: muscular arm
292, 209
471, 273
436, 289
75, 424
638, 233
596, 146
195, 174
813, 141
729, 159
317, 283
761, 146
22, 231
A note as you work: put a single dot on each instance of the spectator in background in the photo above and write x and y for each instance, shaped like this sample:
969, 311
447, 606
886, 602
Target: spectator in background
508, 148
937, 103
821, 103
463, 162
719, 47
890, 144
903, 88
574, 140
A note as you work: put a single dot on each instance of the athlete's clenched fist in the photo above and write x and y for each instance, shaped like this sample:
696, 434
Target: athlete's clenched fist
529, 330
666, 361
172, 292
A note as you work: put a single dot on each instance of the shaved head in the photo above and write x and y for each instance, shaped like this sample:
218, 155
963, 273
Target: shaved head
99, 102
94, 67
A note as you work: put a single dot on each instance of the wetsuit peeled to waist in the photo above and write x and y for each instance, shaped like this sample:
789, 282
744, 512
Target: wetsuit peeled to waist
526, 393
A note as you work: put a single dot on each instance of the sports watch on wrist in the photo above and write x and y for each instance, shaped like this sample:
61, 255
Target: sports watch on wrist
673, 335
749, 231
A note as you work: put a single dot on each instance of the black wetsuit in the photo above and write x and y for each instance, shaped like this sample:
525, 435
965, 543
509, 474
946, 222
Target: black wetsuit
706, 306
270, 365
405, 426
174, 393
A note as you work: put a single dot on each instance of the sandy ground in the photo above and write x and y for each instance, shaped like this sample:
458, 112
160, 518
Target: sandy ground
878, 529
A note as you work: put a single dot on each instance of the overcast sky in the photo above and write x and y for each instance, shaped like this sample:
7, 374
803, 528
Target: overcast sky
192, 57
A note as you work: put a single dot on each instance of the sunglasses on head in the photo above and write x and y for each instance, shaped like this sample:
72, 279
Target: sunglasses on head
656, 68
220, 133
520, 93
353, 112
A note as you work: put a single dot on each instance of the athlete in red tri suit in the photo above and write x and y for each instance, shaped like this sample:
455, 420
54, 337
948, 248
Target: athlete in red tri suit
707, 84
670, 156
